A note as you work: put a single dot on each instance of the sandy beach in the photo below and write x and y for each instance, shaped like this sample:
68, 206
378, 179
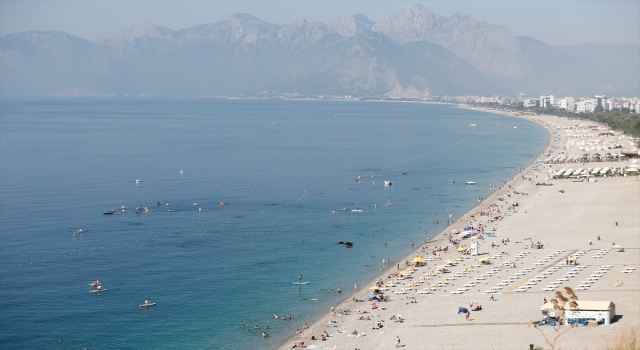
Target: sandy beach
565, 217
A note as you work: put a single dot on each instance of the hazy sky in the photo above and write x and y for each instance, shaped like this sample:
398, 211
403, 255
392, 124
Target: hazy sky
553, 22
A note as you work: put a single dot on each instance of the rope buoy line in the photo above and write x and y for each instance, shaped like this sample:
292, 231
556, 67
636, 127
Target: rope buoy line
436, 150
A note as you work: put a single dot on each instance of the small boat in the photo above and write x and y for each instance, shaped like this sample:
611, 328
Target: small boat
110, 212
470, 183
473, 124
452, 181
389, 203
199, 210
137, 181
388, 183
404, 173
356, 210
344, 209
147, 304
170, 210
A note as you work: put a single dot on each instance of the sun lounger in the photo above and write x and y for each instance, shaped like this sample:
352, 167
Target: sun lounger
490, 291
399, 292
425, 292
626, 271
457, 292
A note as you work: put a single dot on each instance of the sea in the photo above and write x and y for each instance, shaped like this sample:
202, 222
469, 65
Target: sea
240, 195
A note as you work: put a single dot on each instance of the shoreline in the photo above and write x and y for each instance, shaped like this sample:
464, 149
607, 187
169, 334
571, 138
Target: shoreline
516, 179
436, 237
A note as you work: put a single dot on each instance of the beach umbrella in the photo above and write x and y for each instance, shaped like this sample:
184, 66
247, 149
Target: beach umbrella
484, 259
571, 258
449, 261
417, 259
442, 267
617, 246
462, 249
374, 287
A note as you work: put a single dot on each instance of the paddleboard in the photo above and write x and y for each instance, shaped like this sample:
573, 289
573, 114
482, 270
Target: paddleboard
300, 282
147, 305
98, 290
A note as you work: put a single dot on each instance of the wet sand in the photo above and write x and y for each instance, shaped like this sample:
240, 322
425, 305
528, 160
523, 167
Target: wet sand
586, 215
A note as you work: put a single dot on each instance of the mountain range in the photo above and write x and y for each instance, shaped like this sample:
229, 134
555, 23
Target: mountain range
414, 52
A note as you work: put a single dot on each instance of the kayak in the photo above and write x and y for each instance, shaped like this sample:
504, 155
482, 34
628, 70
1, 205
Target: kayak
147, 305
300, 282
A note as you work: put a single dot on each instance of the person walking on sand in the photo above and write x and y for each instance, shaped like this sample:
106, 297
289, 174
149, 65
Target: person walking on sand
492, 298
397, 341
466, 315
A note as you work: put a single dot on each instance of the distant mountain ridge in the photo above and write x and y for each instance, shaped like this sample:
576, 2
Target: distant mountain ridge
414, 52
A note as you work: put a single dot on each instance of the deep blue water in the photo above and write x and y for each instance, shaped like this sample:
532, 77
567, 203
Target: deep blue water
279, 167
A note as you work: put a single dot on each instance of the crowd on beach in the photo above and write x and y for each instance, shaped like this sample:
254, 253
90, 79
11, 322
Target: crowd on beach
432, 270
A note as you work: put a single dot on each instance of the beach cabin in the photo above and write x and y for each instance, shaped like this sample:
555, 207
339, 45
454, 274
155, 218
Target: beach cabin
602, 312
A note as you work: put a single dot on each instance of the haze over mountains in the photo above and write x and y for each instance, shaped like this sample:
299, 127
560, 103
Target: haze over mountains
414, 52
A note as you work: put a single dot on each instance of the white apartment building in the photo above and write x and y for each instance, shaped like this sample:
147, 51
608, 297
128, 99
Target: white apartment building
585, 105
530, 102
546, 100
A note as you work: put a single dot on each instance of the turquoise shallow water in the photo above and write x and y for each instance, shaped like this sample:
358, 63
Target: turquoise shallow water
279, 167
